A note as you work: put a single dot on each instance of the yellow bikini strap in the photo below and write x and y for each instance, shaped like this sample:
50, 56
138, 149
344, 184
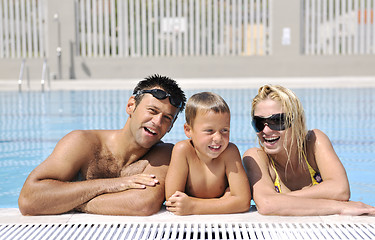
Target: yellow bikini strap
277, 179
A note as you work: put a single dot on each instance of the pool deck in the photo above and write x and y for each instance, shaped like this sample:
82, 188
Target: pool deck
13, 216
197, 83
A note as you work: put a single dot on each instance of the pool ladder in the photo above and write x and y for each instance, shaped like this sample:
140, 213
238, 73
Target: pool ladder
45, 74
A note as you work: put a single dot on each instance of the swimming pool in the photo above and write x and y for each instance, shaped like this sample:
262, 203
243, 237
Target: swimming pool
33, 122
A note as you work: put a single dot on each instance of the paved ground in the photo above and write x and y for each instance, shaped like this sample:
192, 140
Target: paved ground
12, 215
323, 82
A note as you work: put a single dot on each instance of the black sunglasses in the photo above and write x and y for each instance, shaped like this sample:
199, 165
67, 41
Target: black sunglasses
276, 122
161, 94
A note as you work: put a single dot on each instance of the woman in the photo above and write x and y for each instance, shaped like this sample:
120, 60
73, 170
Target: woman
295, 171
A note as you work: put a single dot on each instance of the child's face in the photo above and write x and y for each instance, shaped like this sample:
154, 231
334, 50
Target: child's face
210, 133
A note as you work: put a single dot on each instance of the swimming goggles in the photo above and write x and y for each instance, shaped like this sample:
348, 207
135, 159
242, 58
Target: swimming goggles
161, 94
275, 122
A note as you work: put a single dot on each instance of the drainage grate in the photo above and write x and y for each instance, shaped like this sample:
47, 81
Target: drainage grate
188, 231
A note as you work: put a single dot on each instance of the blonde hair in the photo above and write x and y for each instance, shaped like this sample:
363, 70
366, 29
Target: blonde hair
204, 101
294, 115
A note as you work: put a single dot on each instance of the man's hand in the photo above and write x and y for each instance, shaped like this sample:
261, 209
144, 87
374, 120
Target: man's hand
138, 181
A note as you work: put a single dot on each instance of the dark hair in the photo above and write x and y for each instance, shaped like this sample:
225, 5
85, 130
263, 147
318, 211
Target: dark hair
167, 84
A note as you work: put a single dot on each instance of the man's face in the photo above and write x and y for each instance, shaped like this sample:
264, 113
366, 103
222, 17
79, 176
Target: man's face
151, 119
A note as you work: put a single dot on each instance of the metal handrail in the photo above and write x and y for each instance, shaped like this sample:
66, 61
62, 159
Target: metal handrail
20, 79
44, 70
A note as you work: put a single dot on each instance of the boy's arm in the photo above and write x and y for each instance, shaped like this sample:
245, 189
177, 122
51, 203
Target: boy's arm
178, 170
238, 200
240, 195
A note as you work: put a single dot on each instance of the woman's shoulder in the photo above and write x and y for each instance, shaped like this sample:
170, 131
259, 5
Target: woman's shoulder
255, 159
255, 155
255, 152
315, 132
315, 136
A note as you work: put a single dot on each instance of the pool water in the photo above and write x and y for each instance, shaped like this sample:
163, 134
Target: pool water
33, 122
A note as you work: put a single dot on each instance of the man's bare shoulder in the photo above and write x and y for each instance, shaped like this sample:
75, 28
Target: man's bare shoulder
80, 143
160, 153
82, 135
88, 137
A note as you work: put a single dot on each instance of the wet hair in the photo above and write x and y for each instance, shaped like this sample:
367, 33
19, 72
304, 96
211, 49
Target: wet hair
165, 83
294, 115
204, 101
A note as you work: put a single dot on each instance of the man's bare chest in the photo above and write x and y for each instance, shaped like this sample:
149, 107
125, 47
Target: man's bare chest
102, 166
108, 166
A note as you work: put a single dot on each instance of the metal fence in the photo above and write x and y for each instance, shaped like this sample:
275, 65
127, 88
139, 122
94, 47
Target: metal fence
22, 29
91, 38
340, 27
133, 28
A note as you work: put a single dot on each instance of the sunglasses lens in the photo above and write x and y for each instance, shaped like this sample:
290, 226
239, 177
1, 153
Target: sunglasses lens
275, 122
258, 124
175, 102
160, 94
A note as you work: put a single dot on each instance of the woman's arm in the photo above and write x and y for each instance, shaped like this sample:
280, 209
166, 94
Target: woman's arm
335, 183
269, 202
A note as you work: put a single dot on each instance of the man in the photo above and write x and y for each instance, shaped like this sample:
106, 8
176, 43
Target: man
114, 172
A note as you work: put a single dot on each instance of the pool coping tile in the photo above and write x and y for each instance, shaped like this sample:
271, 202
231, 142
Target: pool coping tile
13, 216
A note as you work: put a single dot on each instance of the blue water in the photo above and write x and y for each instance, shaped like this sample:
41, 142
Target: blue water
33, 122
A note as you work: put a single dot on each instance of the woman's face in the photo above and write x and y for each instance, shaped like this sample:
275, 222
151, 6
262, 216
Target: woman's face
272, 140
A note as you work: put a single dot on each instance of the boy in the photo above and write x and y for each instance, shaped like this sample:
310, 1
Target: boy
206, 175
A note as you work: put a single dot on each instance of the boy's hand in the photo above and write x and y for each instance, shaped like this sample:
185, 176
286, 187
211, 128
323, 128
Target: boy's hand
180, 204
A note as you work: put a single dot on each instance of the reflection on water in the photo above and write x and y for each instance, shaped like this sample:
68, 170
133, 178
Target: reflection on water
33, 122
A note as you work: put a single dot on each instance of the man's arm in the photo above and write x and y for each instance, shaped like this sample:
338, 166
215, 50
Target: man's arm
49, 188
137, 202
